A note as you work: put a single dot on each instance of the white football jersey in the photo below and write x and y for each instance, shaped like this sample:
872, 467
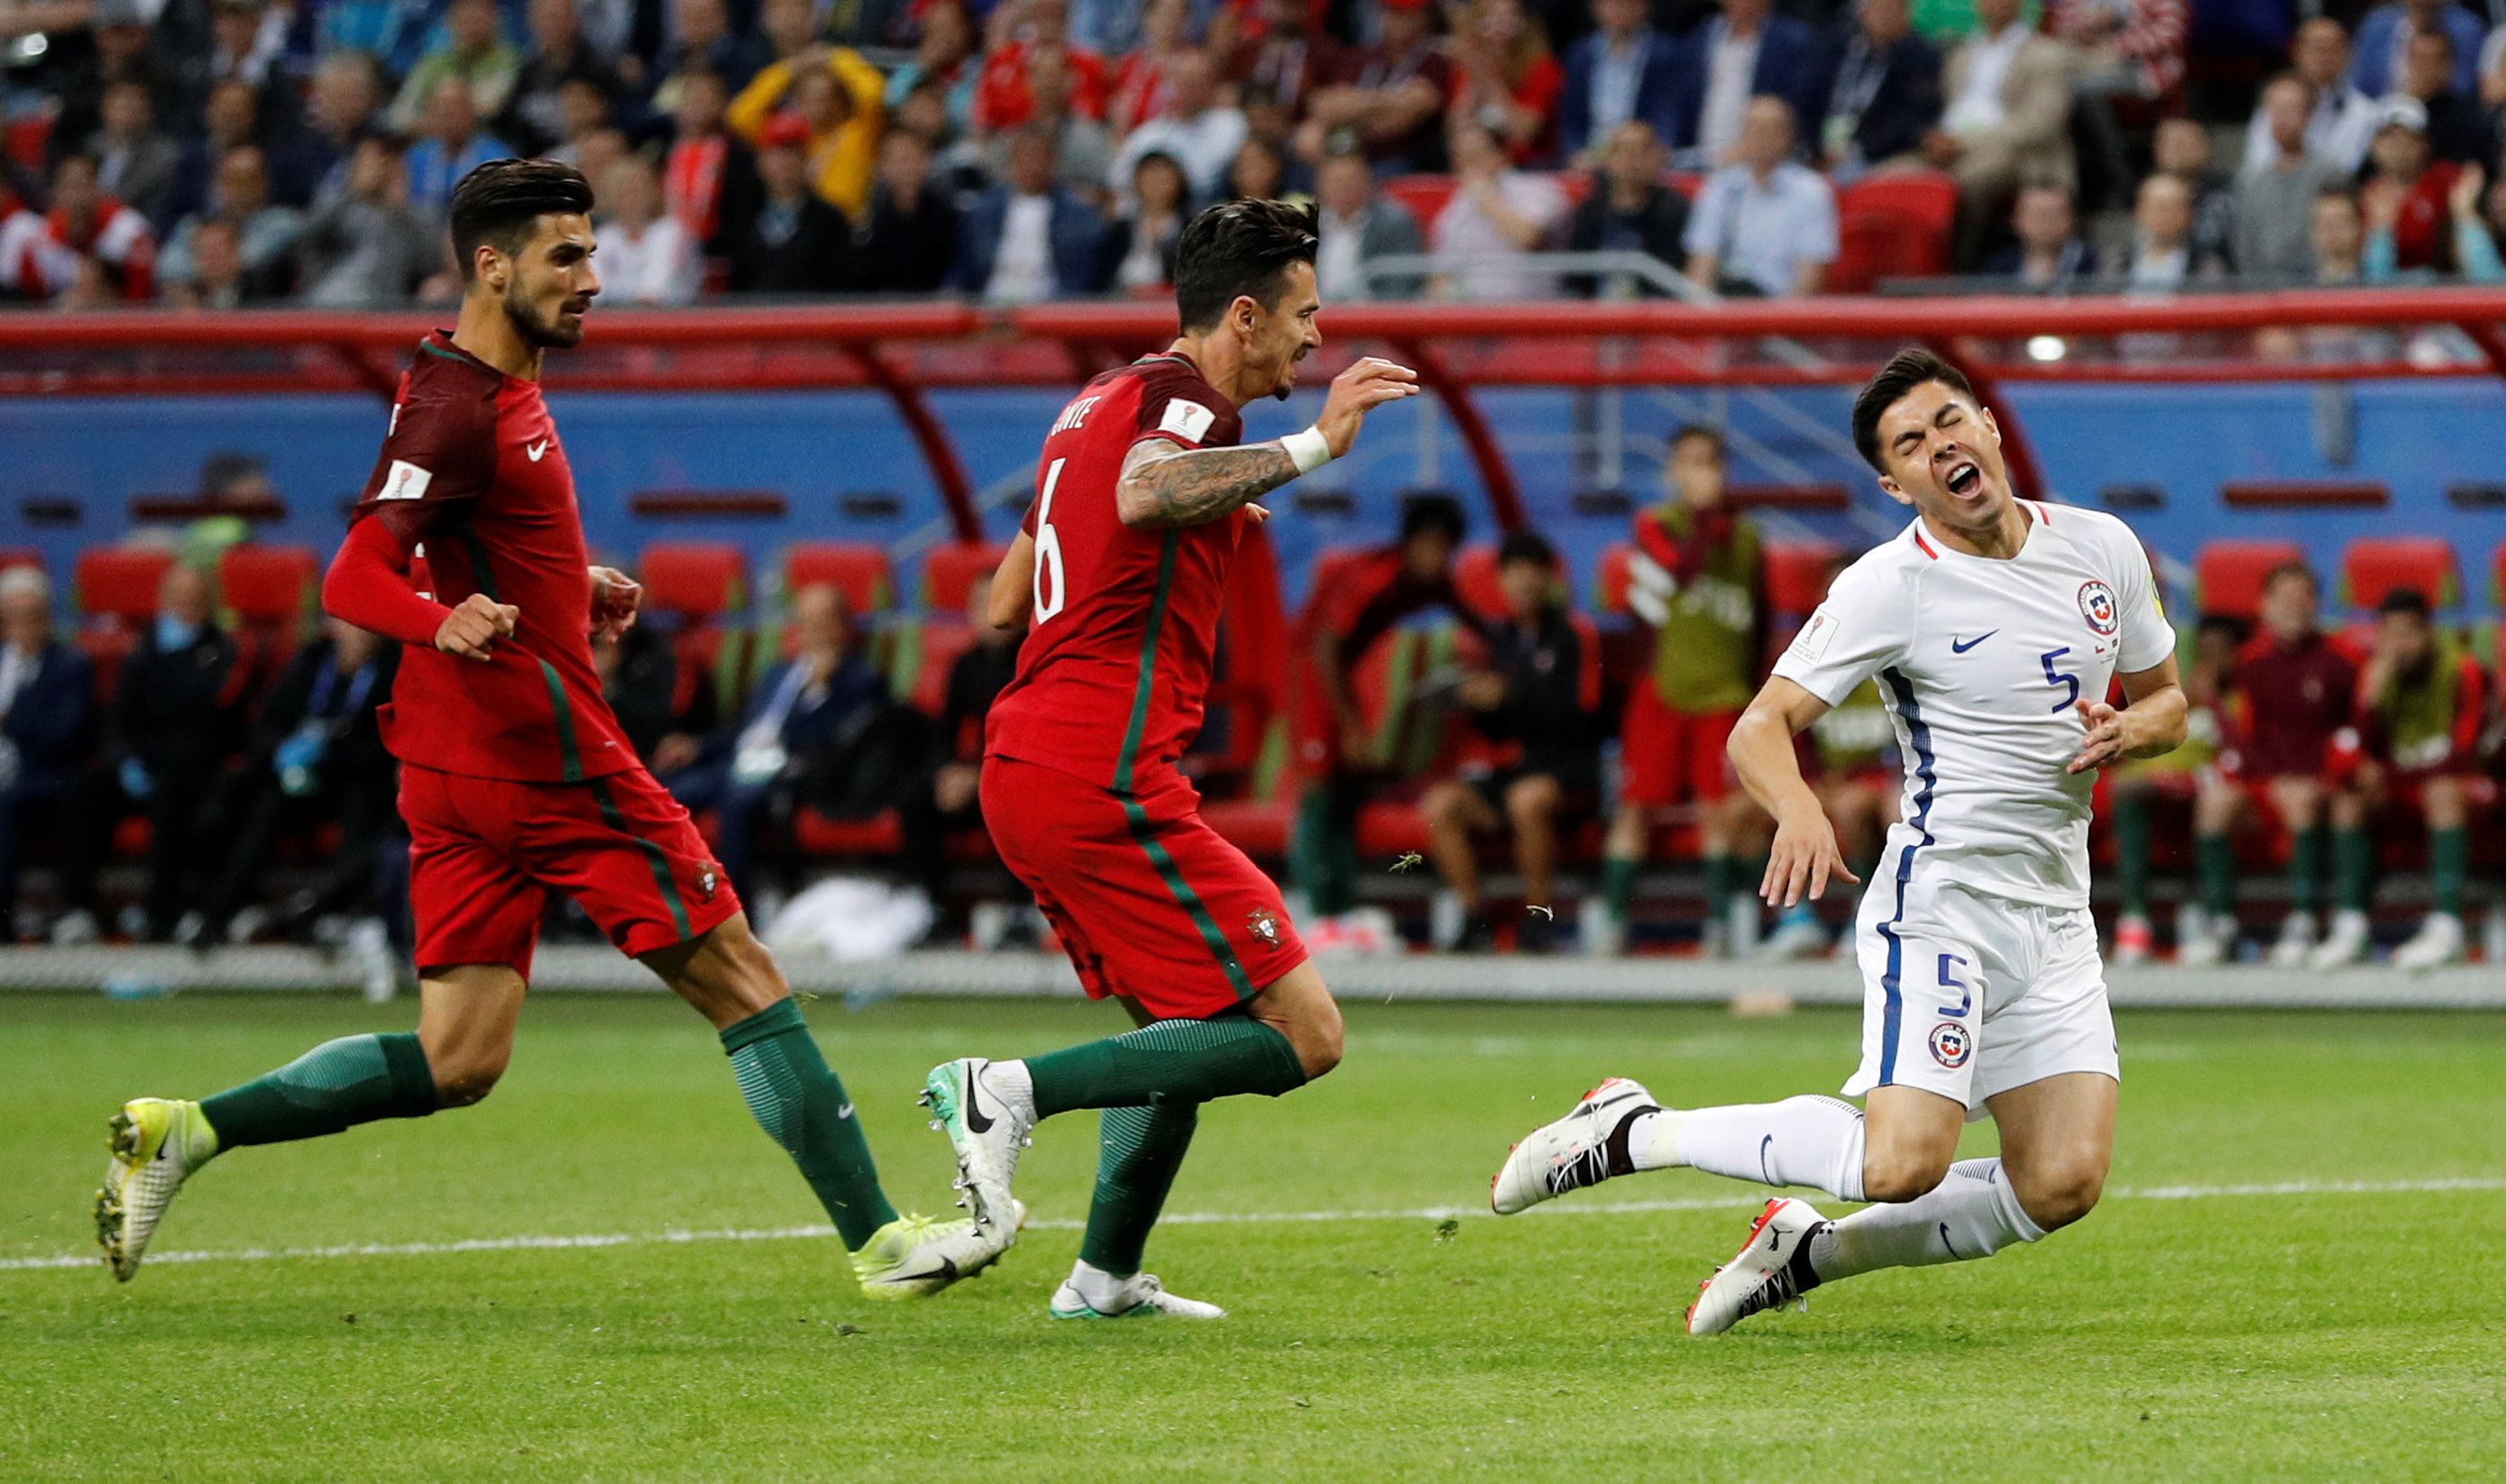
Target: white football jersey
1980, 661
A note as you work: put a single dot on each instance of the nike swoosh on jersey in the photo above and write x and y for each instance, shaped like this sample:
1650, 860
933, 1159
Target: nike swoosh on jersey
536, 449
1959, 647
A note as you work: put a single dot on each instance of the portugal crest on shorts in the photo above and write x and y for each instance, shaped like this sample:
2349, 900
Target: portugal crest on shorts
1263, 925
2097, 606
1951, 1044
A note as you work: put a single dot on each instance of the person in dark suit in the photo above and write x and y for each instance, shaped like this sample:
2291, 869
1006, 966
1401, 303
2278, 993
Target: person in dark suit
910, 240
1624, 69
47, 710
791, 242
945, 799
1630, 209
1746, 51
1027, 238
1882, 95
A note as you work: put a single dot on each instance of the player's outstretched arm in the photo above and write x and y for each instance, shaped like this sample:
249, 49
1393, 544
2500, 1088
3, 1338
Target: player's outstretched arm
1805, 853
1163, 485
2150, 721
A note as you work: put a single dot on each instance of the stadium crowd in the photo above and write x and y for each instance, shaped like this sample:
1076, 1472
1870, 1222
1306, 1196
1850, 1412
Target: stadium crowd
215, 153
1446, 700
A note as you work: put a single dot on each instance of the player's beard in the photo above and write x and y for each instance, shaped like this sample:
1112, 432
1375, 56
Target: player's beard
550, 333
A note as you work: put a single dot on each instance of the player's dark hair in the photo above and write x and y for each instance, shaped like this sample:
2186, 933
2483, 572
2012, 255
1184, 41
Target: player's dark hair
1239, 248
496, 205
2298, 570
1706, 431
2404, 600
1528, 546
1433, 510
1906, 370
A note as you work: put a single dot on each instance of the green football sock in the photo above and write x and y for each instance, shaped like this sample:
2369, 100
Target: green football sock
2131, 854
1618, 885
2448, 862
1720, 871
2214, 857
2354, 866
335, 1087
1142, 1148
2305, 868
801, 1104
1181, 1061
1322, 855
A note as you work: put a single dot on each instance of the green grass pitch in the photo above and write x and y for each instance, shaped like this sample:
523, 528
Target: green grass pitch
2229, 1313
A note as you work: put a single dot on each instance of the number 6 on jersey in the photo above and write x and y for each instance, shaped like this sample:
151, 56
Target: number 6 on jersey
1048, 548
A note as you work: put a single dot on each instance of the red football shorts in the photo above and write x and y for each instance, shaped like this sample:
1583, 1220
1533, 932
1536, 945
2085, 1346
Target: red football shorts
484, 854
1666, 757
1150, 902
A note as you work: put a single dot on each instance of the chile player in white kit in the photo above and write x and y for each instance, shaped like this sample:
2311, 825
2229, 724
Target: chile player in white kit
1994, 626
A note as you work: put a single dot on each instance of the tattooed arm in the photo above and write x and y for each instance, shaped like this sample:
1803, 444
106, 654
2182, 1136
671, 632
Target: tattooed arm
1165, 484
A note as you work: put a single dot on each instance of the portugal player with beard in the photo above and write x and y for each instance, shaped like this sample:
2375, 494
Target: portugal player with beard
515, 779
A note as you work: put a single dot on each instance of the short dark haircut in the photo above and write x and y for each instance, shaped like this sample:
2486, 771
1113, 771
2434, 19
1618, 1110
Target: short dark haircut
1528, 546
1239, 248
496, 205
2404, 600
1433, 510
2298, 570
1906, 370
1705, 430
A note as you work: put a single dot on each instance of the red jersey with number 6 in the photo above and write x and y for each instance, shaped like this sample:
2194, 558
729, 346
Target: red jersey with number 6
1112, 679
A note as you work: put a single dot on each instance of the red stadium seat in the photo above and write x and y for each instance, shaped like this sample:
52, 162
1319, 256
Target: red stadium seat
268, 585
699, 581
1893, 226
941, 644
861, 573
1797, 578
120, 582
2376, 566
2229, 573
20, 556
949, 571
1475, 578
1424, 195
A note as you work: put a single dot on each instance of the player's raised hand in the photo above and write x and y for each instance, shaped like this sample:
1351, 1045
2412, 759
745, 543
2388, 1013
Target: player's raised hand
1802, 859
2104, 742
471, 629
1368, 383
616, 599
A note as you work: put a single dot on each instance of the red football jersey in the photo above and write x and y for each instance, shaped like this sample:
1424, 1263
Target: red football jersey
1116, 666
471, 478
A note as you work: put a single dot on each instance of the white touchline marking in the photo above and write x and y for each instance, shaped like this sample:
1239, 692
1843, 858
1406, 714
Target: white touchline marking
1195, 1219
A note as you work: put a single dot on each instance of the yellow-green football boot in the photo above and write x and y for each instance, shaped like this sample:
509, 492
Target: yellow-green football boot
157, 1143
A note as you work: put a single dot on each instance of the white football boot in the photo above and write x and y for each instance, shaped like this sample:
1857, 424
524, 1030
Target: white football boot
157, 1143
2346, 944
1569, 1153
1769, 1271
1796, 938
1143, 1297
2439, 941
2296, 943
2203, 941
2134, 938
989, 1134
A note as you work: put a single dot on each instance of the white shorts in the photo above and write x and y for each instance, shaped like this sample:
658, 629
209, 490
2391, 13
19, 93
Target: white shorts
1970, 995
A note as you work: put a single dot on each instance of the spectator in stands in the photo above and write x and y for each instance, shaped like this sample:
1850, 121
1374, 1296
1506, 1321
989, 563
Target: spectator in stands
790, 241
2382, 57
315, 756
2455, 128
2406, 189
944, 59
214, 275
1630, 209
2048, 251
2339, 120
265, 235
709, 176
1392, 102
1746, 53
2007, 118
339, 112
449, 146
87, 244
2337, 232
177, 714
1488, 238
911, 237
1623, 71
1341, 761
1505, 78
232, 121
1139, 253
1027, 239
2275, 198
1199, 130
1885, 96
2479, 208
1083, 153
365, 247
476, 52
838, 95
534, 117
1359, 225
1288, 60
1697, 578
244, 44
646, 258
2292, 696
947, 800
1762, 223
1257, 173
2130, 60
1015, 30
704, 40
135, 163
2421, 702
2140, 785
1537, 701
1137, 92
804, 708
2181, 148
586, 114
639, 679
47, 704
2161, 256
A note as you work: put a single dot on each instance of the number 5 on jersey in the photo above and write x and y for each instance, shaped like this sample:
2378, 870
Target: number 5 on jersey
1048, 550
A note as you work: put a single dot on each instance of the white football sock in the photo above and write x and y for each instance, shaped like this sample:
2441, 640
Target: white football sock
1971, 1214
1803, 1140
1104, 1292
1012, 1084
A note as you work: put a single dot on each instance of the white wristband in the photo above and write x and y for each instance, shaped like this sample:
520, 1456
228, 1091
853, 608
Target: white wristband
1308, 451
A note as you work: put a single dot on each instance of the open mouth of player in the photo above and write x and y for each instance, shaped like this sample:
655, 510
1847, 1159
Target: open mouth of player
1963, 480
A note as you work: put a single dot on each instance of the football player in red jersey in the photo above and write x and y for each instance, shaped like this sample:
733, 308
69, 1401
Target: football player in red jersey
515, 779
1141, 498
